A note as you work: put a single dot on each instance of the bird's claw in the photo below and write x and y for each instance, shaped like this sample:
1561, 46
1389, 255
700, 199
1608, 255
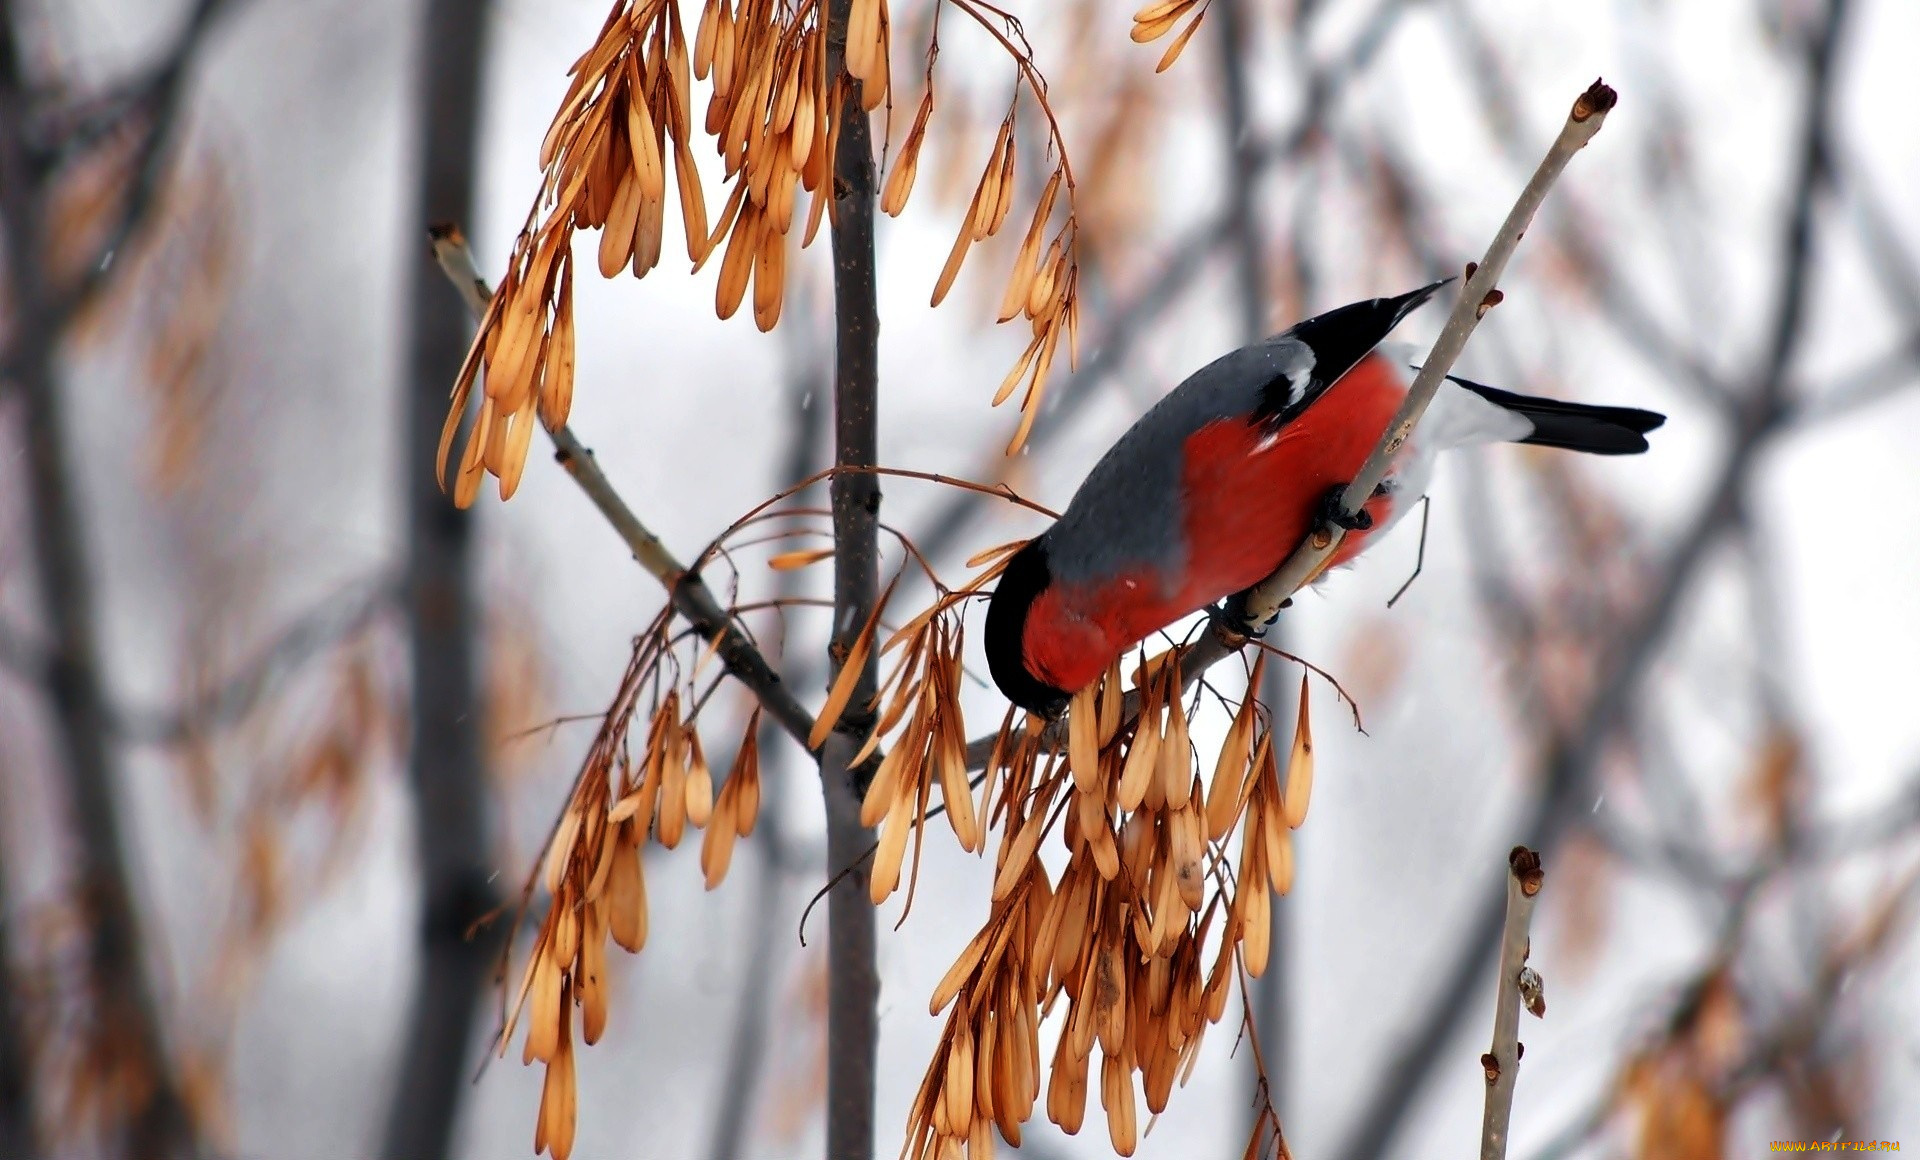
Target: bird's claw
1234, 616
1333, 511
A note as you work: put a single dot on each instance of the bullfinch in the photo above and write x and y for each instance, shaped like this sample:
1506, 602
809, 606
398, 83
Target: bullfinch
1221, 480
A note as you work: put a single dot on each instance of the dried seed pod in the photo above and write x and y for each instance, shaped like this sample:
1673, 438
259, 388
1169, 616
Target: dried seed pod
559, 1103
893, 197
544, 1010
1154, 20
703, 44
1176, 755
1226, 794
645, 145
1300, 764
1180, 43
769, 277
591, 974
627, 899
716, 847
955, 257
1116, 1096
892, 850
1067, 1088
560, 849
1083, 740
958, 1091
984, 213
958, 974
699, 787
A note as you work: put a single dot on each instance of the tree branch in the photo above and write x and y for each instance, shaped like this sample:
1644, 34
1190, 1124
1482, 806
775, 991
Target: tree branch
156, 1118
853, 982
1567, 769
1524, 879
1813, 167
1569, 764
453, 837
1267, 995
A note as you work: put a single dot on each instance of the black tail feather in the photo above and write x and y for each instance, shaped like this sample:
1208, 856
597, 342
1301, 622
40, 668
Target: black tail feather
1575, 426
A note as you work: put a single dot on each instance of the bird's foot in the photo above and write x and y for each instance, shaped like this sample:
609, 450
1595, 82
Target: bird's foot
1233, 616
1333, 512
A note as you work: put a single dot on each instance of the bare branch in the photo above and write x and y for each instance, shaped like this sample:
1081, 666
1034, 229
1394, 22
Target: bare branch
447, 764
853, 987
1524, 879
156, 1120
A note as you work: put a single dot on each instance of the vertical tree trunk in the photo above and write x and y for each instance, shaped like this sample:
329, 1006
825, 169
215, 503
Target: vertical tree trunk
853, 990
18, 1131
123, 1010
740, 1082
449, 782
18, 1136
1247, 225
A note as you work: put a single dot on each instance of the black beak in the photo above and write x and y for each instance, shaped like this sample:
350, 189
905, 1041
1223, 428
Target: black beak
1413, 300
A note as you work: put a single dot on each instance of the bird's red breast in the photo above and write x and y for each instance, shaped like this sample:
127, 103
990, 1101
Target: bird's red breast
1249, 496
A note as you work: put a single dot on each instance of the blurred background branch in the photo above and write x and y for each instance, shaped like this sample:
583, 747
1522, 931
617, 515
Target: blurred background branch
452, 830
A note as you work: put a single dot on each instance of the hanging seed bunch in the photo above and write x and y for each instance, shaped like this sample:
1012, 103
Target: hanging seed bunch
922, 690
605, 163
774, 118
1044, 282
593, 871
773, 114
1128, 933
626, 119
1158, 18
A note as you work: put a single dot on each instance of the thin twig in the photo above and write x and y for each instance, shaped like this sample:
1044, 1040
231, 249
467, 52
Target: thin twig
159, 104
1502, 1063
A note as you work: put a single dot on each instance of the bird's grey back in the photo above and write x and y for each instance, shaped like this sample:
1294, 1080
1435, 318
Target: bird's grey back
1126, 515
